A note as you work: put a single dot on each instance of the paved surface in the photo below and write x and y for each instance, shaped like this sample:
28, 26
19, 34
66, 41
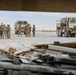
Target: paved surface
41, 38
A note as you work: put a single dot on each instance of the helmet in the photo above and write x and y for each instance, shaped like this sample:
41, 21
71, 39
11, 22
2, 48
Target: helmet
28, 24
19, 24
33, 25
8, 24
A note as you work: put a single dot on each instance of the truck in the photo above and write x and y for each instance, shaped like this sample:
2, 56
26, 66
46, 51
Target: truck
22, 23
66, 27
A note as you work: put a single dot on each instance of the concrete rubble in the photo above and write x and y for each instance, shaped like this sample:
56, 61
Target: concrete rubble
43, 58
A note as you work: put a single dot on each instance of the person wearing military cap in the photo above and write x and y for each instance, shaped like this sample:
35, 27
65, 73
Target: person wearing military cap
19, 30
33, 30
8, 30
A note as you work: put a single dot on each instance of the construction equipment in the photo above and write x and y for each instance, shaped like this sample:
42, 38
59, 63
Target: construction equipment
22, 23
66, 27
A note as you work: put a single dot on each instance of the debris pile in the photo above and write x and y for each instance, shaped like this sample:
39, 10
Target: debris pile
11, 52
50, 58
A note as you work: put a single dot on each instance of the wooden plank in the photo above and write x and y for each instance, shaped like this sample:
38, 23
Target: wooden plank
22, 51
67, 44
48, 51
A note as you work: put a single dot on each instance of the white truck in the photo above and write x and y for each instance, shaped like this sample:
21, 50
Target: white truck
66, 27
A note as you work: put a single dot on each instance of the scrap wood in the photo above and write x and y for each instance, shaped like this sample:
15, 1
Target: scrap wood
32, 47
54, 52
22, 57
29, 57
48, 51
34, 58
21, 51
40, 45
67, 44
10, 53
41, 50
39, 60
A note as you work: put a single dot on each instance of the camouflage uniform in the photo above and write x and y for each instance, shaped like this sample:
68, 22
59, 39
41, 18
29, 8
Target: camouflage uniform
0, 32
2, 28
19, 31
33, 30
26, 30
4, 31
8, 31
29, 30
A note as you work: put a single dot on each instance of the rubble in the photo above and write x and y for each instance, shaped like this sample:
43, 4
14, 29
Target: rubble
11, 52
49, 58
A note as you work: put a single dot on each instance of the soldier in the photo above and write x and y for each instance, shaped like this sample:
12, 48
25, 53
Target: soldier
33, 30
5, 31
0, 32
8, 31
29, 30
19, 30
25, 30
67, 30
3, 27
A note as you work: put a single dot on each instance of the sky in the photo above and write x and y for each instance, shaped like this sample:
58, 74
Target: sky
42, 20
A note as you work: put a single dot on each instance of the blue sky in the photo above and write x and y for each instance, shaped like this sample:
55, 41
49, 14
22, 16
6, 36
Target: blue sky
42, 20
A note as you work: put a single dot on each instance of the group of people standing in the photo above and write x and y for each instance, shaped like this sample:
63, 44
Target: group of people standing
5, 31
27, 30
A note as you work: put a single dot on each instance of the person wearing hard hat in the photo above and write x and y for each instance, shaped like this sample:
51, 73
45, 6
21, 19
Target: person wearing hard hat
8, 30
33, 30
19, 30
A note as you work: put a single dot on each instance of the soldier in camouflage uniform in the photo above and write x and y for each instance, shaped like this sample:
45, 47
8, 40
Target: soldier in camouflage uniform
0, 32
19, 30
29, 30
25, 30
8, 31
33, 30
3, 29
